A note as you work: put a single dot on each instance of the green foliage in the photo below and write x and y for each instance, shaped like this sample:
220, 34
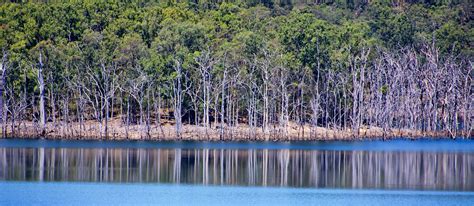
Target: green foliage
154, 35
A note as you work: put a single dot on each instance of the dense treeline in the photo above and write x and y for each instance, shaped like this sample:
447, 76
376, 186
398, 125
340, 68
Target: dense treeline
269, 67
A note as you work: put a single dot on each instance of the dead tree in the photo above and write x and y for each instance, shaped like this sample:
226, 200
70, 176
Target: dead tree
3, 70
40, 80
177, 96
358, 66
265, 69
137, 88
205, 63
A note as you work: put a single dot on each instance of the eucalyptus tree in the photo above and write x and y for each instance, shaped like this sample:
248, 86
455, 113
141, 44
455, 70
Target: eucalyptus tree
41, 93
225, 64
178, 91
205, 63
135, 79
40, 65
3, 69
99, 75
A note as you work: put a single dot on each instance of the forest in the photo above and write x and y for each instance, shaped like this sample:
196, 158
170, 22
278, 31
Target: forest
237, 70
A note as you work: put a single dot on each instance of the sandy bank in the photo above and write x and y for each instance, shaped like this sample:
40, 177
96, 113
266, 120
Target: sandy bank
119, 131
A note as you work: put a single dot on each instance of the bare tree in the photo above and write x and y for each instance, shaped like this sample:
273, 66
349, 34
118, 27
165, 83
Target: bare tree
3, 70
205, 63
178, 95
40, 80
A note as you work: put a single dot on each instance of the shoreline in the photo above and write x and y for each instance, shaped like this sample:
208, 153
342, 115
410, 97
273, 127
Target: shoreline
91, 130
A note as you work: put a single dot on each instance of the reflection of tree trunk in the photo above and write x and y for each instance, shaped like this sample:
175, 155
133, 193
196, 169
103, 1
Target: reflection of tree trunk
283, 167
221, 157
251, 166
205, 166
265, 167
284, 156
41, 164
177, 166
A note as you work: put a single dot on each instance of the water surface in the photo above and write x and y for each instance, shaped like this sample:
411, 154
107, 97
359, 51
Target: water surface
27, 193
425, 172
445, 165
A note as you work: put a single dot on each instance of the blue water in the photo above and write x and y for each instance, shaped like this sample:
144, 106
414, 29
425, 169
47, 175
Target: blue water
23, 193
445, 145
30, 175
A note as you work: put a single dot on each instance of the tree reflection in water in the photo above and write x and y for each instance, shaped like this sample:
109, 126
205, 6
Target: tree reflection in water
263, 167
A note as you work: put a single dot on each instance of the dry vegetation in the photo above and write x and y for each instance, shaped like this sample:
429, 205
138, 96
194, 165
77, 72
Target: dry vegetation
167, 131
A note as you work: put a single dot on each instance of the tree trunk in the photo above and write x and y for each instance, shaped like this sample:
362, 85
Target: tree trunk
41, 90
3, 69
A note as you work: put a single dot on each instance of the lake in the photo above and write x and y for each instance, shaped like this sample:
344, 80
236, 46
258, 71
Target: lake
421, 172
